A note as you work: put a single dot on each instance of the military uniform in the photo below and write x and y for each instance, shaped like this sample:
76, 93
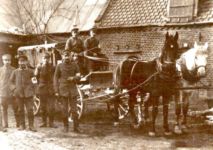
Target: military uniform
44, 74
76, 46
5, 94
6, 97
24, 90
92, 49
67, 90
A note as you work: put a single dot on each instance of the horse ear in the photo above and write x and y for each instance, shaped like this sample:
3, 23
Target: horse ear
167, 35
206, 45
176, 36
195, 45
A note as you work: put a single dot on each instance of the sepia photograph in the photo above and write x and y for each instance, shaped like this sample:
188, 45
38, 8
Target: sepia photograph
106, 74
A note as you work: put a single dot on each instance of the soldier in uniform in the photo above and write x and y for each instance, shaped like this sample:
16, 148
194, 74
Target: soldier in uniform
76, 46
65, 78
44, 75
23, 90
6, 97
92, 49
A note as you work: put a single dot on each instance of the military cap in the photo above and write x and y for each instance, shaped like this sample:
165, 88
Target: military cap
22, 57
74, 28
66, 52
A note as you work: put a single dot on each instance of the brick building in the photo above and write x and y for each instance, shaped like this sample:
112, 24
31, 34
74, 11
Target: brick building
139, 26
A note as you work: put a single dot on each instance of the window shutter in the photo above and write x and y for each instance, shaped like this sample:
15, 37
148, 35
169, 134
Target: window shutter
182, 9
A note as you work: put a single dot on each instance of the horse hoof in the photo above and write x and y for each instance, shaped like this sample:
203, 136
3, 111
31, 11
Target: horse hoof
167, 133
152, 134
184, 128
177, 130
115, 124
136, 126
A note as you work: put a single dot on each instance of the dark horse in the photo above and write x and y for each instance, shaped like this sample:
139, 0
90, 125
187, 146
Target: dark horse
161, 76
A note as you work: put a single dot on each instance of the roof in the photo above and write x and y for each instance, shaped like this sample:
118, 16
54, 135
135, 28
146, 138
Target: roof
63, 20
125, 13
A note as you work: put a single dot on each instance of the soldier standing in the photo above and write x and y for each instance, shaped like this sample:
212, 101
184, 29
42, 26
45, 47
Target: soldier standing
23, 89
76, 46
44, 74
6, 97
65, 78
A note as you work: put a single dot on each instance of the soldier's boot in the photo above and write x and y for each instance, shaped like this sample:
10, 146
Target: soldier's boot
22, 124
31, 124
44, 121
76, 126
51, 123
66, 125
17, 122
5, 117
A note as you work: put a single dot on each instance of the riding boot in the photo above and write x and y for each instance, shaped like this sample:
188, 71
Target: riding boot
51, 122
22, 125
44, 122
66, 125
76, 126
31, 124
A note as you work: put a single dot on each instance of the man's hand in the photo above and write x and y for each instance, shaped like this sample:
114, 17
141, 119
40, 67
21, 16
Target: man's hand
70, 78
56, 94
34, 80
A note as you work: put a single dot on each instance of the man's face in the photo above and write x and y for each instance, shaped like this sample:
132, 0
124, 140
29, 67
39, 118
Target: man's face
22, 63
6, 61
66, 58
74, 33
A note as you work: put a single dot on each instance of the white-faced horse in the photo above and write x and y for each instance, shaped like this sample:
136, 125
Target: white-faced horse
192, 66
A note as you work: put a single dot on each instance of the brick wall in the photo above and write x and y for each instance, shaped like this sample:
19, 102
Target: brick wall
151, 41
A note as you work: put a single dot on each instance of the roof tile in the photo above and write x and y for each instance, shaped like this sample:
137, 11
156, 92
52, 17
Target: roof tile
139, 12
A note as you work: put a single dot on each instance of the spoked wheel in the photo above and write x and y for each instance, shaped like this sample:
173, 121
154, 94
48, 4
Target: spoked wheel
36, 105
80, 105
123, 108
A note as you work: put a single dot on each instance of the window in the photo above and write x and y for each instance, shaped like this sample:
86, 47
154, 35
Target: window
182, 10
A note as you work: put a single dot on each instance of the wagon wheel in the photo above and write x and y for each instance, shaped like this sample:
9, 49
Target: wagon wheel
123, 109
80, 105
36, 105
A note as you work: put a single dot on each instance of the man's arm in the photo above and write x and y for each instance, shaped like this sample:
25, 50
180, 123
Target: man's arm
67, 46
12, 80
55, 79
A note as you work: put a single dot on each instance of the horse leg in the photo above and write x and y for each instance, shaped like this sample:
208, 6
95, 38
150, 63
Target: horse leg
165, 115
185, 110
131, 102
116, 102
146, 111
178, 100
155, 101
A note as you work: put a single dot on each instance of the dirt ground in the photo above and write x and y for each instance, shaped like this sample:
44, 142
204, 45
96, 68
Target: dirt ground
99, 133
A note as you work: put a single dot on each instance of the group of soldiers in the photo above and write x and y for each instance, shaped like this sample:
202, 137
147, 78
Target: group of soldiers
19, 85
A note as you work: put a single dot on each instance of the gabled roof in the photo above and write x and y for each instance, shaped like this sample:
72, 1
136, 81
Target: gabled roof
125, 13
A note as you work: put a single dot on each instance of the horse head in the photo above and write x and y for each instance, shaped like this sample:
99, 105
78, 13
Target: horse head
194, 62
169, 53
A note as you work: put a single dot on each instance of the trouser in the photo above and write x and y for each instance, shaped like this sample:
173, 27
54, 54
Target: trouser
72, 103
28, 103
5, 103
47, 108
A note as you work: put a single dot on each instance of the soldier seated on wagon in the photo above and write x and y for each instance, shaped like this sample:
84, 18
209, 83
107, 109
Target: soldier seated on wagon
93, 52
75, 45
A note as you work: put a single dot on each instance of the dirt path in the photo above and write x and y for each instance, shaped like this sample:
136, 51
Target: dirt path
99, 133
